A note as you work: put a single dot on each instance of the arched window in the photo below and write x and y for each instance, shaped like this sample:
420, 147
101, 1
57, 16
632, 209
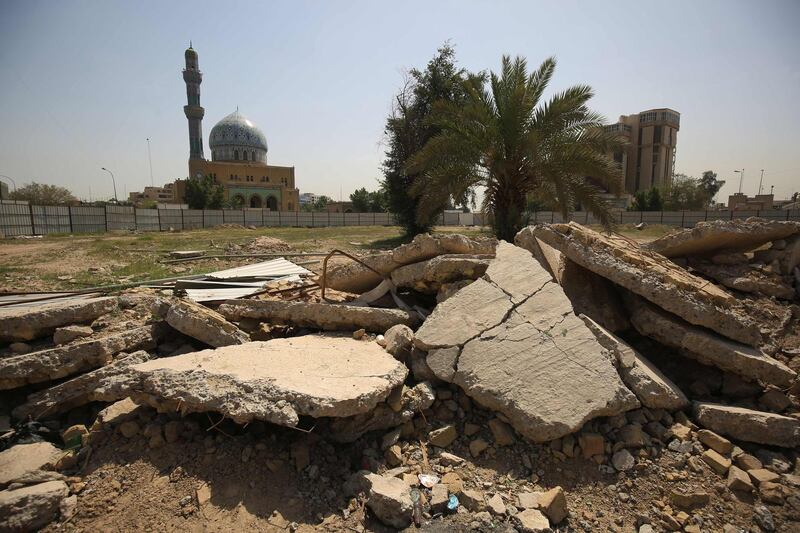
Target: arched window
236, 155
252, 155
244, 155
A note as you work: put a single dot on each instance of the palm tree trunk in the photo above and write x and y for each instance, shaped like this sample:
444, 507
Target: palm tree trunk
508, 211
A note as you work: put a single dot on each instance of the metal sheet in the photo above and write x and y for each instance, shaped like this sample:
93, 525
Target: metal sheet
274, 268
8, 301
218, 295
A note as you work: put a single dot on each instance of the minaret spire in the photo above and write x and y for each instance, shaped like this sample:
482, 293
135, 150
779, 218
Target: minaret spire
194, 112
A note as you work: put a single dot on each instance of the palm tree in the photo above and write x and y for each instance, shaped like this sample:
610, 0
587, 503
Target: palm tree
505, 140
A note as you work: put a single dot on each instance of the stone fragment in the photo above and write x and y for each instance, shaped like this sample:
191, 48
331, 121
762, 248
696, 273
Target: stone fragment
623, 460
129, 429
718, 463
28, 323
708, 348
496, 505
328, 317
22, 459
439, 498
715, 442
107, 384
746, 462
532, 521
553, 503
449, 289
648, 383
389, 498
775, 400
708, 238
632, 436
442, 362
426, 246
32, 507
591, 444
749, 425
443, 437
354, 277
477, 446
472, 500
653, 277
473, 310
502, 432
399, 340
63, 361
448, 459
771, 492
689, 500
762, 475
66, 334
429, 275
745, 278
276, 381
203, 324
738, 480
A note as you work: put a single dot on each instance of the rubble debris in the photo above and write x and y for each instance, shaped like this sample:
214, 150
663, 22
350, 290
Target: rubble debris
746, 278
184, 254
356, 278
203, 324
389, 498
523, 351
106, 384
648, 383
32, 507
653, 277
276, 381
707, 347
23, 459
399, 340
66, 334
749, 425
428, 276
328, 317
707, 238
29, 323
63, 361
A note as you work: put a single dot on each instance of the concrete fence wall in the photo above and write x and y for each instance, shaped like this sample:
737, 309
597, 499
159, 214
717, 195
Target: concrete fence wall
17, 219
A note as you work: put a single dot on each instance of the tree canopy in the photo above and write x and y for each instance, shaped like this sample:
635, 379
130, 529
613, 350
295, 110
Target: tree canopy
204, 193
42, 194
368, 202
504, 137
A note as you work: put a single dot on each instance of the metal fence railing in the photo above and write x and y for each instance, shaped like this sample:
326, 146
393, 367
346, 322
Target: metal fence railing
20, 219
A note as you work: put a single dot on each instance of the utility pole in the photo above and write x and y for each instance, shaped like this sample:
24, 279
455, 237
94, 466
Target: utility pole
114, 183
761, 181
741, 178
150, 159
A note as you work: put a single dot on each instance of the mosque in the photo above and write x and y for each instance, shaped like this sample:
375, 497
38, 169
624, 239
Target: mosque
238, 154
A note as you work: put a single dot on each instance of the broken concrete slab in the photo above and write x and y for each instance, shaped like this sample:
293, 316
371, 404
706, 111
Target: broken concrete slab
22, 459
389, 498
653, 277
28, 323
63, 361
276, 381
357, 278
32, 507
707, 347
66, 334
746, 278
328, 317
203, 324
707, 238
748, 425
534, 361
384, 416
428, 276
472, 310
648, 383
107, 384
426, 246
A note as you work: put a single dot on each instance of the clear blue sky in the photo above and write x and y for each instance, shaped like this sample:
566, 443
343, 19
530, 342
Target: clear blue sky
84, 83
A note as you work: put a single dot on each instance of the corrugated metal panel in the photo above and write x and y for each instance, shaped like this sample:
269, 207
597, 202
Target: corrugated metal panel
268, 269
218, 295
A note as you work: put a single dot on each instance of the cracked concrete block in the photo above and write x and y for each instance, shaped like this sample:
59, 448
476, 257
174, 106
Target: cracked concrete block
748, 425
63, 361
23, 459
276, 381
648, 383
107, 384
203, 324
426, 246
28, 323
33, 507
428, 276
653, 277
707, 238
708, 348
325, 316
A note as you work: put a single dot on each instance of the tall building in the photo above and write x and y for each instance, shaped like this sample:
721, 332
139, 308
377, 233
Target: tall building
649, 158
238, 154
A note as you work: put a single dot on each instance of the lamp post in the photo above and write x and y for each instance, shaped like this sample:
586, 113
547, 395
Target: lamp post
14, 183
761, 181
112, 183
741, 178
150, 159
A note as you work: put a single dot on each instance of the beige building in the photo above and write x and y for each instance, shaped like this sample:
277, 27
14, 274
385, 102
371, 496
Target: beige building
649, 159
160, 195
741, 202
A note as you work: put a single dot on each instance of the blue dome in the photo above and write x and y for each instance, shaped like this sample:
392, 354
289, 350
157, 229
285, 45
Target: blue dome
236, 138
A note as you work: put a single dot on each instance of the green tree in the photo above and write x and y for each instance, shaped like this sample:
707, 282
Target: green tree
654, 200
507, 140
685, 194
378, 202
318, 205
711, 185
204, 193
42, 194
360, 199
409, 128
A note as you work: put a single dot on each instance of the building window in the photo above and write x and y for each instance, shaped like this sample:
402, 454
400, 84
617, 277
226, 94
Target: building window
263, 179
236, 155
657, 135
252, 155
244, 155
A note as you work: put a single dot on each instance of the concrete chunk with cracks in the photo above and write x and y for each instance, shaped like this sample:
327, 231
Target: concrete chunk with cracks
28, 323
276, 381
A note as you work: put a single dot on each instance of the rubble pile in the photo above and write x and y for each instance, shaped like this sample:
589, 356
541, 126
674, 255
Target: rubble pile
464, 382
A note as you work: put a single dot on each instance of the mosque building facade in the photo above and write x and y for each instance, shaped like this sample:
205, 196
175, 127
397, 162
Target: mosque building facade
238, 150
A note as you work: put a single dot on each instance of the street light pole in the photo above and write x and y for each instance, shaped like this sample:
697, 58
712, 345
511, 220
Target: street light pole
761, 181
114, 183
14, 183
741, 178
150, 159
